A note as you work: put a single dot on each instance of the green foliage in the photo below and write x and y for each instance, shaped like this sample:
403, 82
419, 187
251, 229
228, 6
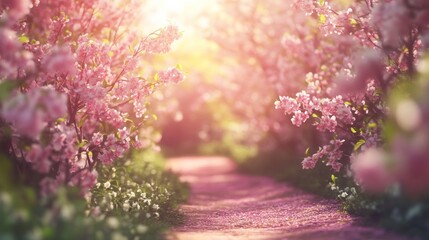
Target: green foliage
67, 215
391, 210
140, 191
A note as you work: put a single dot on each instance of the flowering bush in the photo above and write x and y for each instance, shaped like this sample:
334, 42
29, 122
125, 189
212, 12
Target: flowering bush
137, 188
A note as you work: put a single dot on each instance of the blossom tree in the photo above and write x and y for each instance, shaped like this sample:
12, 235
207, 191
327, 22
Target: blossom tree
252, 37
347, 97
74, 91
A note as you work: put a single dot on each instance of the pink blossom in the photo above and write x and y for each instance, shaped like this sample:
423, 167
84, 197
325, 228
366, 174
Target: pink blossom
54, 103
370, 170
58, 141
303, 98
39, 158
43, 165
287, 104
331, 151
309, 163
305, 5
327, 124
9, 43
48, 186
22, 113
85, 180
97, 139
299, 118
412, 163
60, 61
35, 153
30, 112
344, 114
161, 41
17, 8
124, 134
369, 65
393, 20
171, 75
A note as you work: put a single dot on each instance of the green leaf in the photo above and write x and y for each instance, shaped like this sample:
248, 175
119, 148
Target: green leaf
156, 77
6, 88
353, 130
353, 22
61, 120
179, 67
24, 39
322, 18
333, 178
81, 122
83, 143
154, 117
359, 144
321, 2
314, 115
307, 151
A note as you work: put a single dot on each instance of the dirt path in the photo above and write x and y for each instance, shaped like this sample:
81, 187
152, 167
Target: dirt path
225, 204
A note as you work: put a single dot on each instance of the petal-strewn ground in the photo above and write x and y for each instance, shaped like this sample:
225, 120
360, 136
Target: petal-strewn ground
226, 204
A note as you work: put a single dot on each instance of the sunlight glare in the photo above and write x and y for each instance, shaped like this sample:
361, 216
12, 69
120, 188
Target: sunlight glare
187, 14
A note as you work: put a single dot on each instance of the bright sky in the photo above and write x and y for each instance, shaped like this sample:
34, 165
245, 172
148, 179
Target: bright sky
184, 13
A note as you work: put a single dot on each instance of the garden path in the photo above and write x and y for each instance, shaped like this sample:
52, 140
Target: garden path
226, 204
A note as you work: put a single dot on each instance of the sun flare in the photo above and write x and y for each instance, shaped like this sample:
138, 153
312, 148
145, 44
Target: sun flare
184, 13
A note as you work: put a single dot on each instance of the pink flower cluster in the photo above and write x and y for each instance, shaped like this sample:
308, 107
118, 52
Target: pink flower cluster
160, 42
405, 164
29, 113
370, 172
333, 111
14, 61
331, 152
171, 75
16, 9
393, 19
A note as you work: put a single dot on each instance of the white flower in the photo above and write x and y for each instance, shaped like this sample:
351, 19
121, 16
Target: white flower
126, 206
106, 185
344, 194
147, 215
155, 206
136, 205
156, 214
114, 194
67, 211
97, 185
112, 222
118, 236
147, 201
131, 194
141, 228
